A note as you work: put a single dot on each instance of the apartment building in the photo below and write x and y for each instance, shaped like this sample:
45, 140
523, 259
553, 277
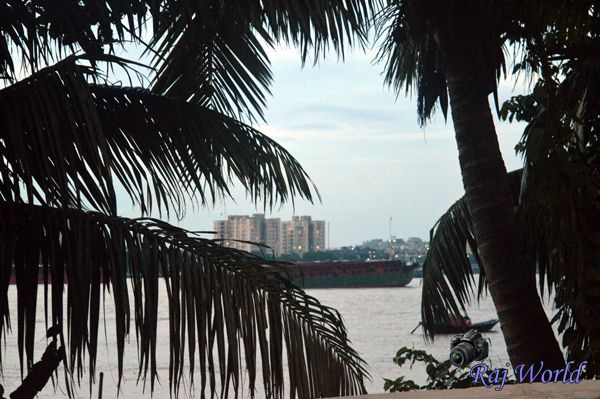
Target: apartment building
273, 234
243, 228
318, 236
299, 235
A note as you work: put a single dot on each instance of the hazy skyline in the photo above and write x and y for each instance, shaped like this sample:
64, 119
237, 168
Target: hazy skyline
362, 148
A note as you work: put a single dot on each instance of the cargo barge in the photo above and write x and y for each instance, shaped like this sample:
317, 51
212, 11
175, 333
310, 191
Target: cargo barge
352, 274
336, 274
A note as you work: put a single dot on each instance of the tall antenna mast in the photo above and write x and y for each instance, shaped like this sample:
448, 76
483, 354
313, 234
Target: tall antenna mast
390, 241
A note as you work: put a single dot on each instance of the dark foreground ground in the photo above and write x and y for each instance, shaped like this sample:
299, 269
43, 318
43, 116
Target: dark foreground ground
586, 389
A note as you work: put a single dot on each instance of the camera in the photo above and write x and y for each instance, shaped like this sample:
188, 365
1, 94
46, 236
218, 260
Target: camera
468, 347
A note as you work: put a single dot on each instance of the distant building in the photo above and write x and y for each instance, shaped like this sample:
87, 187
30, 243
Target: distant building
299, 235
273, 234
243, 228
376, 243
397, 248
318, 235
295, 235
220, 227
414, 243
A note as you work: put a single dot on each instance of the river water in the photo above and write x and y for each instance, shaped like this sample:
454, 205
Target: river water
378, 320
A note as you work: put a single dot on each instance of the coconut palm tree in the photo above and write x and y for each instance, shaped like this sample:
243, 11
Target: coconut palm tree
557, 191
454, 50
557, 194
69, 136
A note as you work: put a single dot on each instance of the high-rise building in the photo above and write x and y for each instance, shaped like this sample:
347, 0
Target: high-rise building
318, 235
299, 235
295, 235
220, 227
273, 234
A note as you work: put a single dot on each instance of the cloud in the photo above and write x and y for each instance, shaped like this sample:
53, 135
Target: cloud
363, 113
352, 136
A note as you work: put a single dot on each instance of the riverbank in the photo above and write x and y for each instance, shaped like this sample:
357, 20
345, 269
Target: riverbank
586, 389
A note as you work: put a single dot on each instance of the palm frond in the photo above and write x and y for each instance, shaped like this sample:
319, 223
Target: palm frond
448, 279
209, 53
420, 39
398, 49
41, 32
317, 25
13, 32
66, 144
215, 61
195, 149
411, 59
52, 144
220, 300
213, 55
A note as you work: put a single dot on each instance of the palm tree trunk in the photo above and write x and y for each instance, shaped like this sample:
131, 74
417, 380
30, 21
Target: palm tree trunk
527, 331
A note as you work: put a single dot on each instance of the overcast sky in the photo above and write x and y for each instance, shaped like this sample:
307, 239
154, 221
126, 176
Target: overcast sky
363, 149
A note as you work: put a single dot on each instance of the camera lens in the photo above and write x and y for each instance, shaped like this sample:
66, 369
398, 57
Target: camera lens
456, 358
463, 354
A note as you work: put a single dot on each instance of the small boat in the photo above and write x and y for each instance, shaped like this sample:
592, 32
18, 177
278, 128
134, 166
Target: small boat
483, 326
